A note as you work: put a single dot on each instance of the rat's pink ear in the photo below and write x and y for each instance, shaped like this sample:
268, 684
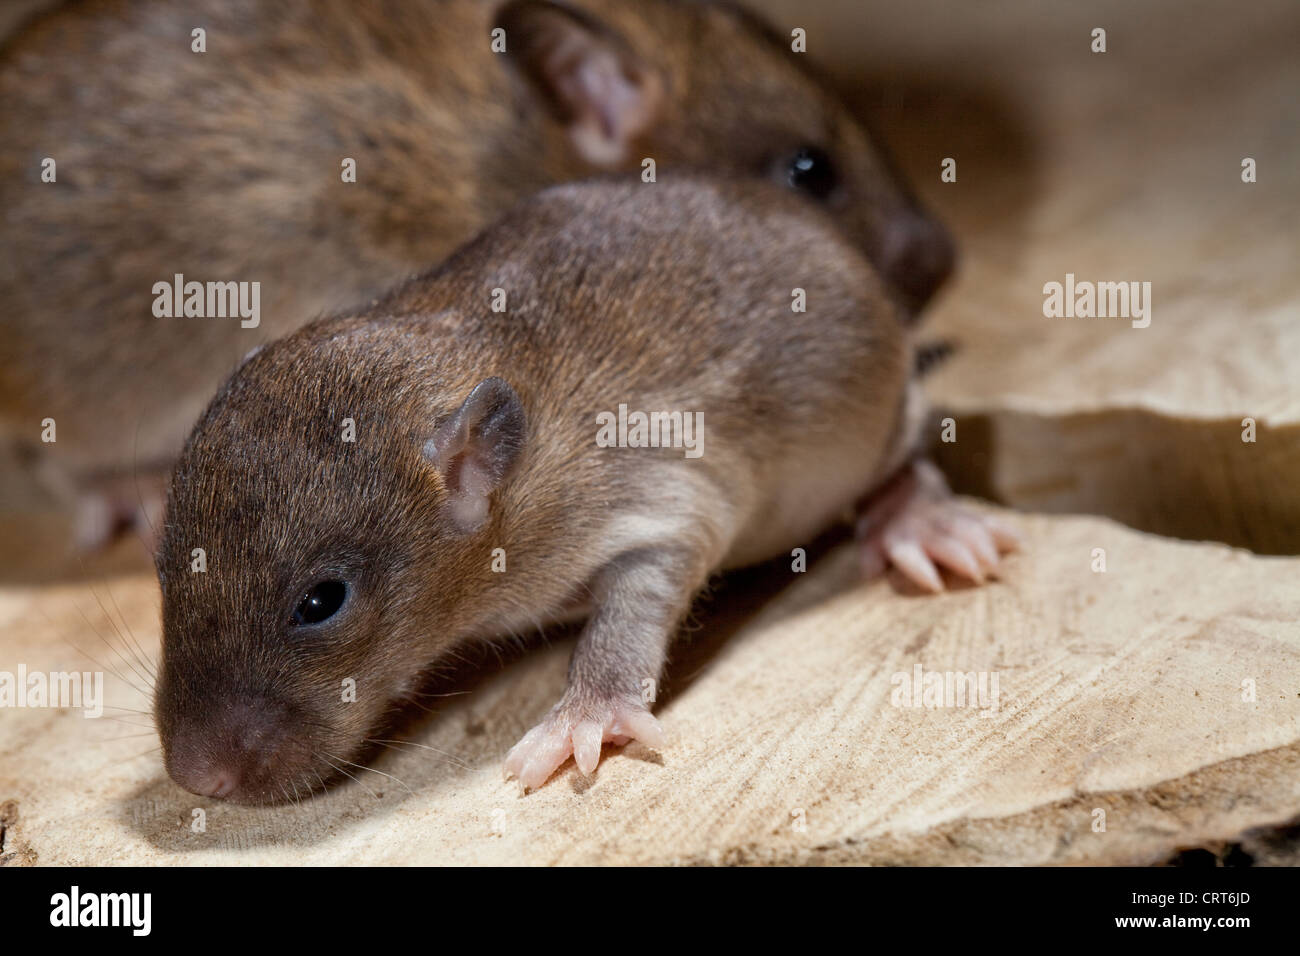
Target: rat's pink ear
476, 448
593, 82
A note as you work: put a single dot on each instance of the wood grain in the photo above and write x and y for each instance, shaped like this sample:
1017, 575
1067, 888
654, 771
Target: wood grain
1119, 691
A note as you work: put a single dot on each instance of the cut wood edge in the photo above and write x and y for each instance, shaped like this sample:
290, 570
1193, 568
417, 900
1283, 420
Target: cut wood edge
1184, 478
1202, 810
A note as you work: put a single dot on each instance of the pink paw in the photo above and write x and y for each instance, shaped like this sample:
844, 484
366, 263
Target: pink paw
918, 527
107, 509
579, 730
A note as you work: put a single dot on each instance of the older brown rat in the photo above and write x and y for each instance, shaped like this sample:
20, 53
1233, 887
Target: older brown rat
500, 475
226, 165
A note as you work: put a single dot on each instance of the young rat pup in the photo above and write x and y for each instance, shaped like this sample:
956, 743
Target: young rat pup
228, 165
498, 477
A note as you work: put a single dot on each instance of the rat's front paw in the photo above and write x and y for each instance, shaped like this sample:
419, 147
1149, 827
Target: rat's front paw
578, 728
917, 526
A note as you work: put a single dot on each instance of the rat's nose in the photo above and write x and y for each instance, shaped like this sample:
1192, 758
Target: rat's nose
917, 257
236, 753
213, 783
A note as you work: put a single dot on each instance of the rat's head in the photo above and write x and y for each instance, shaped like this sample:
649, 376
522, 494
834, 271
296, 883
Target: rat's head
318, 553
711, 86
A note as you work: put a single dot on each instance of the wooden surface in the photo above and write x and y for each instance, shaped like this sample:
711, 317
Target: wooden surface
1120, 691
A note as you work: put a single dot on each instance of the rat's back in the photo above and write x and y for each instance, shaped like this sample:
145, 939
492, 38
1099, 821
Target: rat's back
729, 304
696, 289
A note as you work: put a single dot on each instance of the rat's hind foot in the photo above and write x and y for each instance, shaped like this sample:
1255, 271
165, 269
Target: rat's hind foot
916, 525
110, 508
578, 728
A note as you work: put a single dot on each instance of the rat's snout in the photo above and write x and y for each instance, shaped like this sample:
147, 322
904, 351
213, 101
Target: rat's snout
917, 257
246, 753
214, 782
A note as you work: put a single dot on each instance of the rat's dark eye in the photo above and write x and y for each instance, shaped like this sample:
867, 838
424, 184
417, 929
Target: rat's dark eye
320, 603
812, 171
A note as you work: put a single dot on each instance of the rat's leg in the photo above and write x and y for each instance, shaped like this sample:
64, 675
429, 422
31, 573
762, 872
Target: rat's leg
107, 507
915, 524
640, 598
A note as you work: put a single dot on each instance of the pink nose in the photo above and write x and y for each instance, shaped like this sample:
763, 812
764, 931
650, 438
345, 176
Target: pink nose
214, 783
239, 751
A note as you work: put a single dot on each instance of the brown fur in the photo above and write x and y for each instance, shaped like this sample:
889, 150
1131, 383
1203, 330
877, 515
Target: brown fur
225, 166
672, 296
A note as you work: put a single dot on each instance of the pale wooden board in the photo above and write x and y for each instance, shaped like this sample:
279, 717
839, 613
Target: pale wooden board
1118, 691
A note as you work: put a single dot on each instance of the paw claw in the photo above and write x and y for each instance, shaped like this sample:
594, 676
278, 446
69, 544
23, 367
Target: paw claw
1007, 537
979, 539
640, 725
910, 558
586, 745
578, 730
953, 554
917, 526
